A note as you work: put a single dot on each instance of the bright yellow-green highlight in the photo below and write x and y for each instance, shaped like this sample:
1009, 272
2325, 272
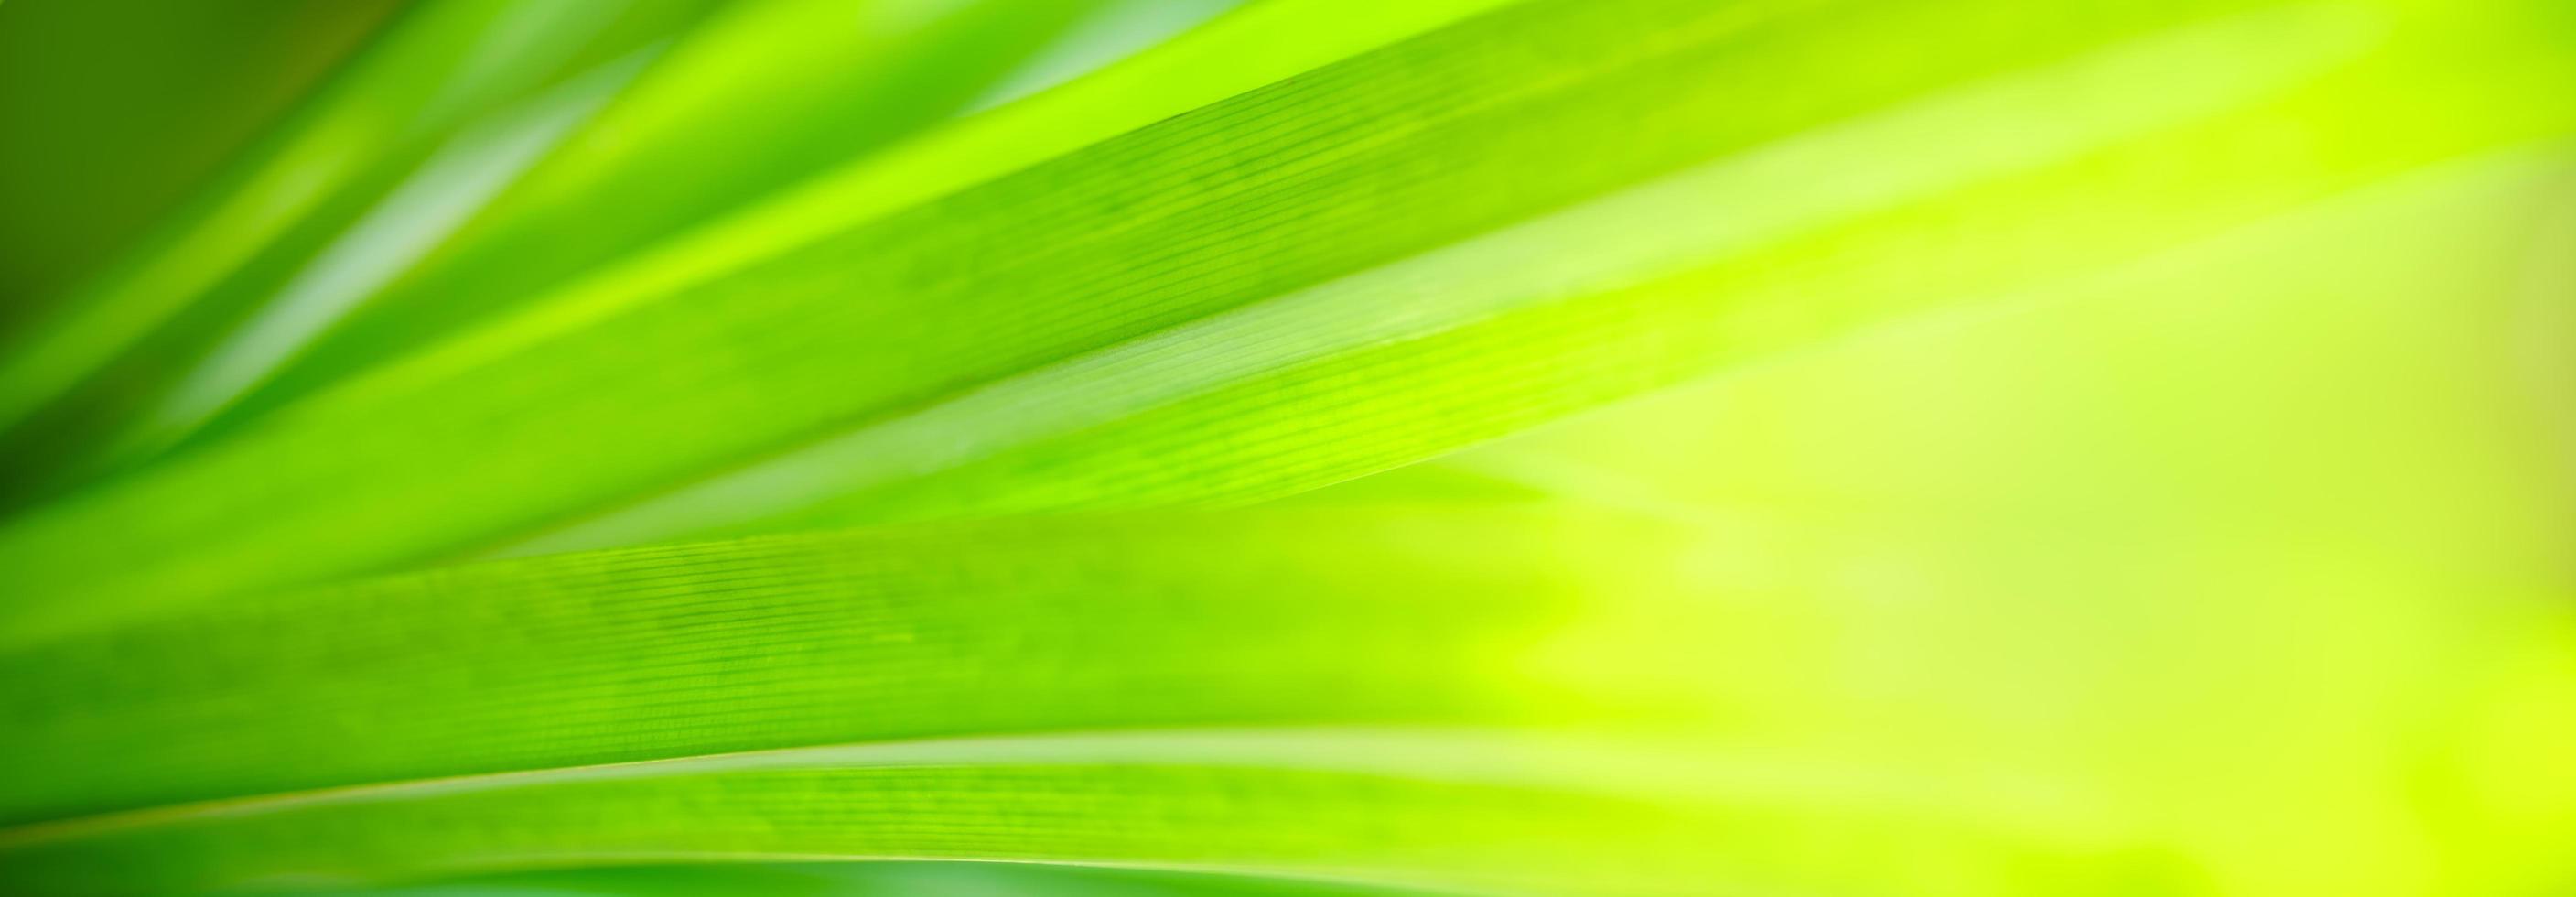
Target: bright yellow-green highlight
1292, 447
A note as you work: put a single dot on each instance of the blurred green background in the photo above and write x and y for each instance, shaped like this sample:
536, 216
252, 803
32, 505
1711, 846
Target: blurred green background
1288, 447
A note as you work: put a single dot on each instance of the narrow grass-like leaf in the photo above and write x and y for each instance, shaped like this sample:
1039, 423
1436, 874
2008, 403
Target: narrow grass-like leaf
813, 83
2184, 527
128, 330
882, 879
759, 657
1237, 52
817, 640
757, 364
1402, 807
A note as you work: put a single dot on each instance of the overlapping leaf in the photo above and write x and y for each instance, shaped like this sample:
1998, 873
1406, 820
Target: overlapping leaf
1628, 657
1166, 244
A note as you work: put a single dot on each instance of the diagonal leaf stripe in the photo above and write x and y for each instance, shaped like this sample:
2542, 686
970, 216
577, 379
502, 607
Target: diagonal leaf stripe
1158, 682
434, 69
1734, 207
666, 153
1442, 808
649, 653
842, 447
888, 879
1351, 166
1253, 46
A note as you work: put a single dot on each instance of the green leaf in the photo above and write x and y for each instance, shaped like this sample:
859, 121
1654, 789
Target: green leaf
786, 674
1197, 221
468, 88
809, 640
1433, 809
165, 95
883, 878
2188, 520
820, 82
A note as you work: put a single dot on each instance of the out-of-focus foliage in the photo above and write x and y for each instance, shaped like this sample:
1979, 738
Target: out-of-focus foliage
1289, 447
